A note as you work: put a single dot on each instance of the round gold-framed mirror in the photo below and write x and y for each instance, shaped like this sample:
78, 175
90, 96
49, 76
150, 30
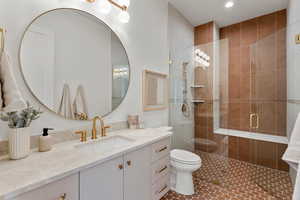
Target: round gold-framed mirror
74, 64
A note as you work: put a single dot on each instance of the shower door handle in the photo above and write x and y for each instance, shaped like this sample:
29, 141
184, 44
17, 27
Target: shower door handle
257, 121
251, 120
256, 116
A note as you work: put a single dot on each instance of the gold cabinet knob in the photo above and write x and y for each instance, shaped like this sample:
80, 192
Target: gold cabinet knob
120, 166
161, 190
162, 169
83, 137
63, 197
129, 163
162, 149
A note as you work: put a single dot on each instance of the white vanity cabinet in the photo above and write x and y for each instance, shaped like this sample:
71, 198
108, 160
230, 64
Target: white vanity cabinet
142, 174
124, 178
64, 189
160, 168
137, 175
104, 181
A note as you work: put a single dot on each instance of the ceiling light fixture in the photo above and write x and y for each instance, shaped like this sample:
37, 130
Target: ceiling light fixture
229, 4
106, 5
124, 17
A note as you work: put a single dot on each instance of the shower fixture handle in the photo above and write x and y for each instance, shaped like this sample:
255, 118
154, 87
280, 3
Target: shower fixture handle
256, 116
257, 121
251, 120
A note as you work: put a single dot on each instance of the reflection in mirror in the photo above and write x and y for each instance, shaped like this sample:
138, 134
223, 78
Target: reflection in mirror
74, 64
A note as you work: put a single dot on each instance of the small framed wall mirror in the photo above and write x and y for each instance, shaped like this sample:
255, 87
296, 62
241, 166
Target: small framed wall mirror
155, 91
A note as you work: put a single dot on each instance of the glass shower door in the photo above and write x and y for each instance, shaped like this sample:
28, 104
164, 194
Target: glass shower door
181, 112
268, 99
268, 85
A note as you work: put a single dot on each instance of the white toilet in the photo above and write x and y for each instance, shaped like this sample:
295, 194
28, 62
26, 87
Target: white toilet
183, 164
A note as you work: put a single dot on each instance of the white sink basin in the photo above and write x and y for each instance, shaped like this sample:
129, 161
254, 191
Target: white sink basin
107, 143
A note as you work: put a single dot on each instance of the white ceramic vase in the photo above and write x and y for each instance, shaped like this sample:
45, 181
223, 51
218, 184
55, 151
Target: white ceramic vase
19, 143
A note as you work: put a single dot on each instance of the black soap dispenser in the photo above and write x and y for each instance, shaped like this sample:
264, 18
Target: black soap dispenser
45, 141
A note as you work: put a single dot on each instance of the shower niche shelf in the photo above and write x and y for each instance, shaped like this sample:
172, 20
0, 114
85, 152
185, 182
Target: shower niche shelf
197, 86
198, 101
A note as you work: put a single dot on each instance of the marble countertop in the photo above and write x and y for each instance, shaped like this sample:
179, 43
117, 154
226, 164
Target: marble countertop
18, 177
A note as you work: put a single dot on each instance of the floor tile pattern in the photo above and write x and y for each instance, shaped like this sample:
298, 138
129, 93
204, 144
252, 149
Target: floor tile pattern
223, 178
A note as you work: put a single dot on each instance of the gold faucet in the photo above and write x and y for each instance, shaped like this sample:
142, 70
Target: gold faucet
102, 129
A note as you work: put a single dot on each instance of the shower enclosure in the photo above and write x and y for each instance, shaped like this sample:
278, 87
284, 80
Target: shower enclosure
230, 96
236, 108
228, 90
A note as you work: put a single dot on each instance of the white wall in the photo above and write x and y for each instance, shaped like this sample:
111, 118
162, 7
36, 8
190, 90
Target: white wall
293, 59
293, 66
216, 75
181, 42
144, 37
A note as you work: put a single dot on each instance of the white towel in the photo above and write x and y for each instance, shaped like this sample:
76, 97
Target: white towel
295, 141
79, 105
296, 195
65, 107
295, 135
10, 95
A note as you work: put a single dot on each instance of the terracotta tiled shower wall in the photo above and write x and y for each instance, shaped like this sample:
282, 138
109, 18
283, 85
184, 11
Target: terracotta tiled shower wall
205, 139
256, 84
203, 112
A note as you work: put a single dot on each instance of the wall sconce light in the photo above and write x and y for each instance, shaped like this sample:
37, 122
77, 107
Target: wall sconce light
202, 58
106, 5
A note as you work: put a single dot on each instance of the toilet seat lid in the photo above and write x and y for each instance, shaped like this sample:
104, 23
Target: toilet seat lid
183, 156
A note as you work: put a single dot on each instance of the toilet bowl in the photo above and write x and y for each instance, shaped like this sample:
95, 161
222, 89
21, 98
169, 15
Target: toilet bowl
183, 164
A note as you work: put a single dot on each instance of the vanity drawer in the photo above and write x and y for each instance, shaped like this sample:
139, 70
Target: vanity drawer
160, 169
160, 188
161, 149
64, 189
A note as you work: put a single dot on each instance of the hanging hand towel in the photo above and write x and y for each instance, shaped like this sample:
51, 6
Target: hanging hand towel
65, 107
10, 95
295, 135
79, 105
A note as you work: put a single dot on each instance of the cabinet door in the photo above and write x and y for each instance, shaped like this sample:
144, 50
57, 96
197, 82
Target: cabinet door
66, 188
137, 175
103, 182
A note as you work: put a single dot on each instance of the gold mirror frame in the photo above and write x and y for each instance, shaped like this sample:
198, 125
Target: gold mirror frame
29, 88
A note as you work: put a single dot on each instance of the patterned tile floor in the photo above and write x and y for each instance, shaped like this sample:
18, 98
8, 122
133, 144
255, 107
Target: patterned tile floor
222, 178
